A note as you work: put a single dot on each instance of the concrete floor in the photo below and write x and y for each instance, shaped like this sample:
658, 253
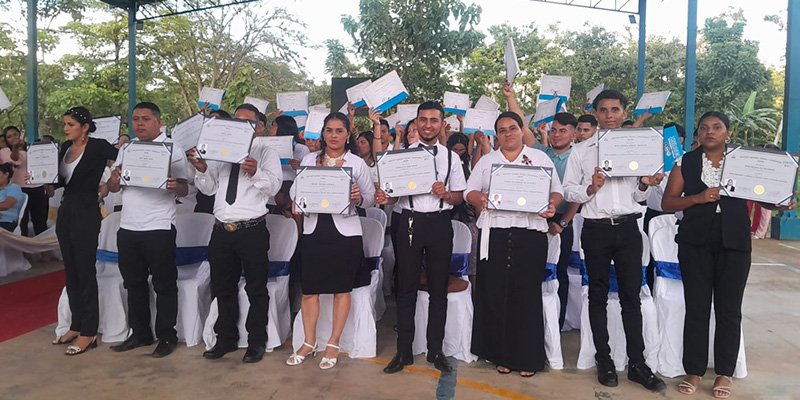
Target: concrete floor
31, 368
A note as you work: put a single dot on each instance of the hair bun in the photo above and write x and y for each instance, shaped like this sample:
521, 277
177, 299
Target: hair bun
92, 127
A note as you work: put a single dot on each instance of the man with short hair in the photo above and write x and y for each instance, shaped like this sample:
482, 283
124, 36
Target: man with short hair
146, 240
587, 127
240, 240
611, 234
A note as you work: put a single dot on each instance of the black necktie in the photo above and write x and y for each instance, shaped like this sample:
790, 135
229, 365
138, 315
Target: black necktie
233, 182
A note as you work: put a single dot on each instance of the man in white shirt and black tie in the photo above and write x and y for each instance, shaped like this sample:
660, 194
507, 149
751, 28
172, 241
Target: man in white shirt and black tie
240, 240
425, 230
146, 241
611, 234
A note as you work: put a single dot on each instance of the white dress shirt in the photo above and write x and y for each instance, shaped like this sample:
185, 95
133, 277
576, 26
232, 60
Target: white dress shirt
479, 181
149, 209
347, 225
252, 191
427, 203
617, 197
656, 194
300, 151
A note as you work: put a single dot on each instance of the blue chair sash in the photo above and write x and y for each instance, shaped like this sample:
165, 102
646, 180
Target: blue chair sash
372, 262
278, 268
669, 270
550, 272
459, 264
613, 286
183, 255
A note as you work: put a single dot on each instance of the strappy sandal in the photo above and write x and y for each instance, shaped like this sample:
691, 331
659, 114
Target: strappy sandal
328, 363
502, 370
688, 388
297, 359
722, 391
527, 374
60, 340
73, 350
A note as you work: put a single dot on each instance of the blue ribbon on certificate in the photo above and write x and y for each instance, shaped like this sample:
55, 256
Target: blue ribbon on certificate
669, 270
360, 103
295, 113
673, 149
651, 110
312, 135
392, 102
487, 131
455, 111
561, 101
550, 272
212, 106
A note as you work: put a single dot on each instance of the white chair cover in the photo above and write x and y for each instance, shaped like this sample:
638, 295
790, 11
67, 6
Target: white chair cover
373, 237
671, 308
112, 295
551, 304
659, 222
387, 254
616, 332
11, 258
572, 317
378, 215
282, 242
359, 338
458, 327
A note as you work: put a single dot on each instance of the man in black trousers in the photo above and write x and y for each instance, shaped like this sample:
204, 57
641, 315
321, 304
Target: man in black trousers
425, 230
611, 234
146, 240
240, 240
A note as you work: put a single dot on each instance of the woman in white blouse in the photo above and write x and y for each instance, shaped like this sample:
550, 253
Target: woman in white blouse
508, 327
331, 246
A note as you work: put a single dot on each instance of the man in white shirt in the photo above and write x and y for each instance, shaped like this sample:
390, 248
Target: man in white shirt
611, 234
425, 230
146, 240
240, 240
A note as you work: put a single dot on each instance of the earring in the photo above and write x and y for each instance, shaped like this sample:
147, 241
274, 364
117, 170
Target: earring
728, 140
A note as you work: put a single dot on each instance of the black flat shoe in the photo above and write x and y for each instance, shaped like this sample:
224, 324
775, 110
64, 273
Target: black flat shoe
130, 344
397, 364
607, 374
439, 361
641, 374
164, 348
218, 351
253, 354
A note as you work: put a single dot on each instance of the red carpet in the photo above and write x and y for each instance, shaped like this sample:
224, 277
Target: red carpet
29, 304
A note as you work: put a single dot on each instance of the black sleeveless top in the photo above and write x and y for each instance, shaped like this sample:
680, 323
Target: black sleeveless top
696, 225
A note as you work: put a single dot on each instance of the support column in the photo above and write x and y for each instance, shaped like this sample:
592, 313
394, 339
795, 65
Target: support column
32, 76
131, 64
691, 71
786, 226
640, 68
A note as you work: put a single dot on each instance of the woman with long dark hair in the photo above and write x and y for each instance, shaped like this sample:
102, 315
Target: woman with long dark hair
331, 246
17, 156
81, 163
714, 249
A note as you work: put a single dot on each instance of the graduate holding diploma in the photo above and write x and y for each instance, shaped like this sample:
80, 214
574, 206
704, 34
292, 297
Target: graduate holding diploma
331, 246
508, 327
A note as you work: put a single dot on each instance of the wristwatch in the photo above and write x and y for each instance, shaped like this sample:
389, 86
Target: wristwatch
564, 224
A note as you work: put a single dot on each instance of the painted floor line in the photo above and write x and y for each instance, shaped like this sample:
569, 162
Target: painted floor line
466, 383
771, 264
787, 246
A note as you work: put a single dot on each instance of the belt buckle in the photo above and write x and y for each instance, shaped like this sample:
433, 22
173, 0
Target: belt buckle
229, 227
614, 221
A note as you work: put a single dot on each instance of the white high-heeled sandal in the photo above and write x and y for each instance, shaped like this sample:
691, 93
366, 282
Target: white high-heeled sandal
297, 359
328, 363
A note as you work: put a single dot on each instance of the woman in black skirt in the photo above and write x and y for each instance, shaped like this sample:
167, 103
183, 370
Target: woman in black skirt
331, 246
81, 164
508, 325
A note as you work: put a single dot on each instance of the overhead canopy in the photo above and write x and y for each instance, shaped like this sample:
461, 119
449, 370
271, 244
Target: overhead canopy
152, 9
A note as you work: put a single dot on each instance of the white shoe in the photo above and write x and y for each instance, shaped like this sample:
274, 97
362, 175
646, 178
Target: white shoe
296, 359
328, 363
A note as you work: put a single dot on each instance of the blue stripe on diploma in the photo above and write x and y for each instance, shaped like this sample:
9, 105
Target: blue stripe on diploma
311, 135
669, 270
213, 107
470, 131
360, 103
652, 110
295, 113
392, 102
455, 111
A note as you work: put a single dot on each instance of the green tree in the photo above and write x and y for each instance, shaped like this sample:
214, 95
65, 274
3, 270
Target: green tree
337, 63
753, 126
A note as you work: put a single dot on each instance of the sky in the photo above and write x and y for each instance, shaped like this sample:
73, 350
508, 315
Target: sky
666, 18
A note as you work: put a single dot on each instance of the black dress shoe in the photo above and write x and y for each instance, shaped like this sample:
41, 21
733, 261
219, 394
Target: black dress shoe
399, 361
218, 351
164, 348
607, 374
641, 374
254, 354
439, 361
130, 344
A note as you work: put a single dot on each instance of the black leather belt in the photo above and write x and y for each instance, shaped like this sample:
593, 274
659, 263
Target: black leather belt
235, 226
614, 220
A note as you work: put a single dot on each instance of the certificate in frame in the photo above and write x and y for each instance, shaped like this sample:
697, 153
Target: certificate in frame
146, 164
630, 152
406, 172
520, 188
225, 140
323, 190
763, 175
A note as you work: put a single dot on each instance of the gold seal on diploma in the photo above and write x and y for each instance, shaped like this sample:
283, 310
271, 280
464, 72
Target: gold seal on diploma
412, 185
324, 204
633, 165
759, 190
146, 178
521, 201
224, 152
44, 174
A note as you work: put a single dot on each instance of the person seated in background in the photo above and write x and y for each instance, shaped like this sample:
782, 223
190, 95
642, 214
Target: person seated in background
10, 198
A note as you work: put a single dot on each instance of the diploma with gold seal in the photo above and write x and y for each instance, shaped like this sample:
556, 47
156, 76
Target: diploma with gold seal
758, 174
323, 190
407, 172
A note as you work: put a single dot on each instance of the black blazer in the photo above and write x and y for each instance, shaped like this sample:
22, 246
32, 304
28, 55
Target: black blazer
86, 176
695, 226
